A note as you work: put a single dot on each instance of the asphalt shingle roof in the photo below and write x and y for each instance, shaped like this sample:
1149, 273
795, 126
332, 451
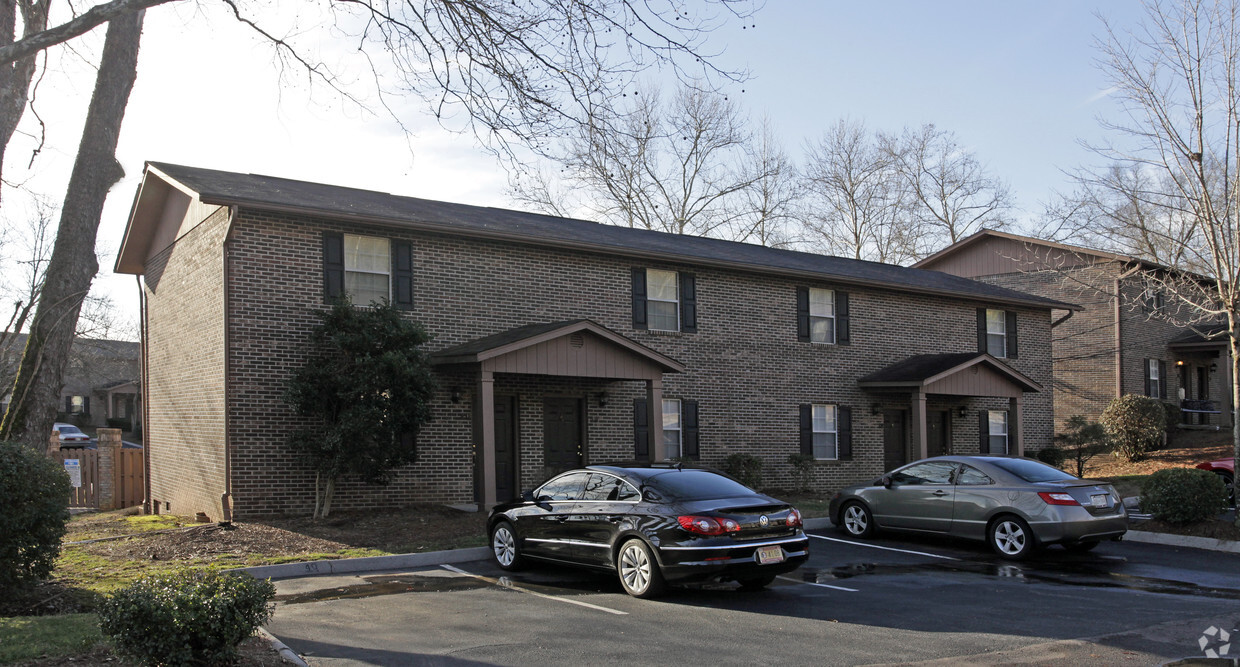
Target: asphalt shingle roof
227, 188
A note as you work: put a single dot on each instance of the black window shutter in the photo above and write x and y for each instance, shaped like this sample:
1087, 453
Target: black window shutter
1146, 365
688, 303
641, 430
402, 275
86, 404
844, 416
807, 429
1162, 379
639, 299
1009, 328
981, 330
983, 427
689, 428
803, 314
333, 266
842, 335
69, 404
1013, 430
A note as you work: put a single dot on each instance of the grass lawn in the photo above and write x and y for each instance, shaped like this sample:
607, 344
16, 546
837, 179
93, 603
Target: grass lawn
30, 637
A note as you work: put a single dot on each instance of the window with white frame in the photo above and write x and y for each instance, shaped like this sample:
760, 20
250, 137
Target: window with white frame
672, 430
826, 432
821, 315
996, 333
367, 268
77, 405
998, 422
662, 300
1156, 378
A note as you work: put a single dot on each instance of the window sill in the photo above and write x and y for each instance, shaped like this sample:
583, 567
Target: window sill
665, 332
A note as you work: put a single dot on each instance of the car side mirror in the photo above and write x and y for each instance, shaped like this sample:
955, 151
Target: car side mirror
527, 496
885, 480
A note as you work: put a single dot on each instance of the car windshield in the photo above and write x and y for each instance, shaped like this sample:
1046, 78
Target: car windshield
1031, 471
697, 485
66, 429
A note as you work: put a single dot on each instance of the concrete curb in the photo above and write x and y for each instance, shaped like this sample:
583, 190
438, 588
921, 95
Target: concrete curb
368, 564
282, 648
1168, 539
817, 524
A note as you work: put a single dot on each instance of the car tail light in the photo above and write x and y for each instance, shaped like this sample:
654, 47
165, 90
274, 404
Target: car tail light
1057, 498
708, 525
794, 518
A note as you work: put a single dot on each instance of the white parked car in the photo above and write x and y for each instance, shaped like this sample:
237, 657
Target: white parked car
71, 436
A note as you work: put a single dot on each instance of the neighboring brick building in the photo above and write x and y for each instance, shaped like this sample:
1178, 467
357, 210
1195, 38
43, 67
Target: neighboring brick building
100, 383
1125, 340
556, 342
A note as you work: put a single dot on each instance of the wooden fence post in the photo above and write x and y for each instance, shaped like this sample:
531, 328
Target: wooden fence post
109, 468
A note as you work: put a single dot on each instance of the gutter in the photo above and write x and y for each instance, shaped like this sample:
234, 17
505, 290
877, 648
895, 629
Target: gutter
147, 503
226, 497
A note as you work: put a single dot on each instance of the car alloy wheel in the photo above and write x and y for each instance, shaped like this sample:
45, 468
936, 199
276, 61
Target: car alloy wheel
1229, 483
504, 546
639, 573
1011, 538
857, 520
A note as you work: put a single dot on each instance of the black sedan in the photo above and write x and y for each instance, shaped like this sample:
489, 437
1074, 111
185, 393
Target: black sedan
651, 526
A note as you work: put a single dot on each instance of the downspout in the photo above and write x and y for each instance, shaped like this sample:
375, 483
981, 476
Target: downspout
1119, 353
148, 506
226, 497
1063, 319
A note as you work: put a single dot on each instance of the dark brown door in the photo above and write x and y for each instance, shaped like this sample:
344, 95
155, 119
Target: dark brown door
936, 432
893, 439
505, 448
561, 434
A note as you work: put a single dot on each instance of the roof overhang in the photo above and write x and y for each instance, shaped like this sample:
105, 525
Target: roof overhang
955, 374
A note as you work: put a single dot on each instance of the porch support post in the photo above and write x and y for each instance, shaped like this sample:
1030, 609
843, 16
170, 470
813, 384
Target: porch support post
1226, 409
1016, 421
486, 436
920, 439
654, 398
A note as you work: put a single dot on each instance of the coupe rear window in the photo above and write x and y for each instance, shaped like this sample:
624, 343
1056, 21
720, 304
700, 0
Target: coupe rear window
1031, 471
697, 485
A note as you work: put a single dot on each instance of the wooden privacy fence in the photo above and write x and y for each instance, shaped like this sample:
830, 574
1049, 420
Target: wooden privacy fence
108, 478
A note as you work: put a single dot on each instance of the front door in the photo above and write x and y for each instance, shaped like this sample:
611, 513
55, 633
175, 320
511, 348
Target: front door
562, 446
893, 439
936, 432
505, 448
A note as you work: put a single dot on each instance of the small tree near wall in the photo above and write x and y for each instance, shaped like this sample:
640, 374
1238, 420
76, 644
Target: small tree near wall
1135, 425
366, 387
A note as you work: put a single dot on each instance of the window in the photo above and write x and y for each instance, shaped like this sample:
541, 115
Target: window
931, 472
672, 428
997, 421
367, 268
821, 315
826, 432
996, 333
77, 405
1155, 380
564, 487
662, 300
970, 476
608, 488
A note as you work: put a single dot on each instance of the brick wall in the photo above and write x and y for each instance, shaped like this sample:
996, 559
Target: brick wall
746, 368
185, 333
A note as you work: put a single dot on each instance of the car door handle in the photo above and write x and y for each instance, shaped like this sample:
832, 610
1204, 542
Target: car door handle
940, 493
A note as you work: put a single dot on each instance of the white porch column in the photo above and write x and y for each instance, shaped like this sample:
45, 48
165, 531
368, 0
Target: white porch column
1016, 421
654, 398
918, 419
486, 436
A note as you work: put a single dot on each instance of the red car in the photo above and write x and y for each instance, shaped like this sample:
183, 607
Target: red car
1225, 468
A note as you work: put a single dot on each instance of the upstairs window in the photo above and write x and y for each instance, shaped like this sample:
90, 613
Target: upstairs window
996, 332
367, 269
822, 316
664, 300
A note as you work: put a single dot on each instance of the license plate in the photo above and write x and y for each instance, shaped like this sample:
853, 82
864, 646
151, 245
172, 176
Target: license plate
1098, 500
770, 555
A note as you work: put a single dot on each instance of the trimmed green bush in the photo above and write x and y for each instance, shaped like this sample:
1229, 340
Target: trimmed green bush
188, 617
1183, 495
745, 468
1052, 456
1135, 425
802, 469
34, 495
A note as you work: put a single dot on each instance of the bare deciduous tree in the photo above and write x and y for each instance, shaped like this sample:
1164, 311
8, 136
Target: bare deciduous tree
1179, 131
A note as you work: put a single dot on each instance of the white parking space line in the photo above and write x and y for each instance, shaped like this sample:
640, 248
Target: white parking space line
814, 583
508, 584
875, 546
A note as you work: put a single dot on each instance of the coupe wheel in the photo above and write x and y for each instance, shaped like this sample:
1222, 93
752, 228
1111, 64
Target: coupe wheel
1230, 483
639, 572
504, 546
756, 583
1011, 538
856, 520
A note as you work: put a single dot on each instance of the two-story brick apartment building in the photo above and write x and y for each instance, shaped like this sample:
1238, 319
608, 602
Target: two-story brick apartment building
1128, 339
556, 342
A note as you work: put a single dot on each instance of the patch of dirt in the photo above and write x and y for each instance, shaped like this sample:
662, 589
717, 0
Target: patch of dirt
46, 598
254, 652
410, 529
1185, 450
210, 541
1218, 529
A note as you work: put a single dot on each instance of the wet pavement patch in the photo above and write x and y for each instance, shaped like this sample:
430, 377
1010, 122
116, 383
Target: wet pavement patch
386, 585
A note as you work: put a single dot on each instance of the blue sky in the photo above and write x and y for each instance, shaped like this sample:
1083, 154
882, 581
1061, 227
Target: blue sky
1016, 82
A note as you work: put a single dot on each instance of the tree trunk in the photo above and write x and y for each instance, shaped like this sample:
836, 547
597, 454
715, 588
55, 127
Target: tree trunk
15, 77
318, 494
1234, 346
327, 497
36, 390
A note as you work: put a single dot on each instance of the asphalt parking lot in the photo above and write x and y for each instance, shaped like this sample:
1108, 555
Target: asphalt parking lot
888, 600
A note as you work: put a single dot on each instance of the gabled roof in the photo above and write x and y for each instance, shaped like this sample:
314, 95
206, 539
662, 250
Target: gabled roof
505, 342
221, 188
1201, 337
925, 369
981, 235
